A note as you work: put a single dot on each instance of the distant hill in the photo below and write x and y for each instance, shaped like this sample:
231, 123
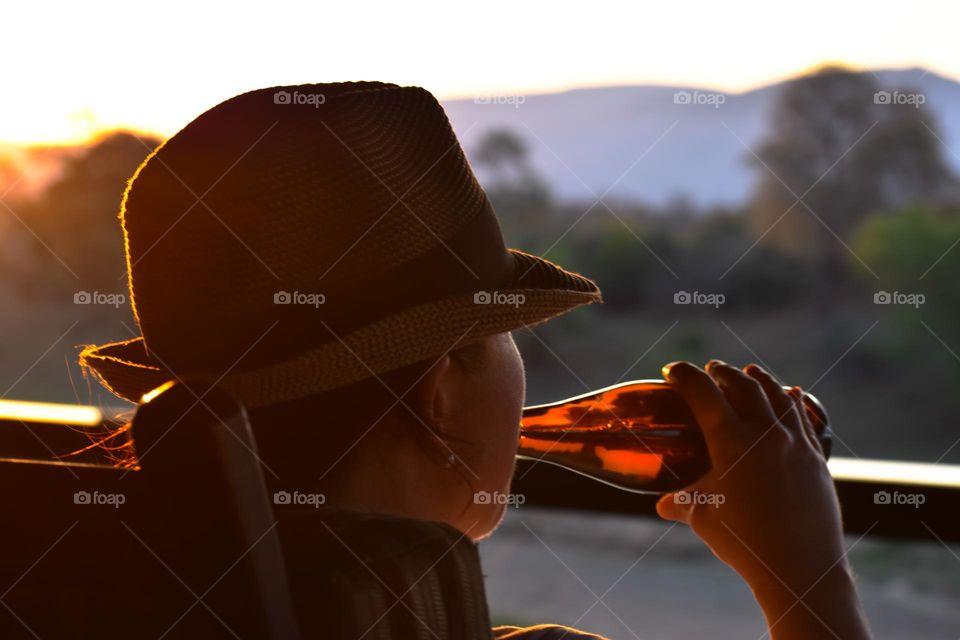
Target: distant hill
586, 139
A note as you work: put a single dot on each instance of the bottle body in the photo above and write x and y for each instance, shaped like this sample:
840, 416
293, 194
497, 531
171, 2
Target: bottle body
638, 436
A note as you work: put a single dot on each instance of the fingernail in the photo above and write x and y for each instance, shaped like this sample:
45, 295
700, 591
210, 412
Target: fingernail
667, 367
715, 363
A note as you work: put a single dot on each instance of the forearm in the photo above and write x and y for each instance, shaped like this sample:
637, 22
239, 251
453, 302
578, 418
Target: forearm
827, 608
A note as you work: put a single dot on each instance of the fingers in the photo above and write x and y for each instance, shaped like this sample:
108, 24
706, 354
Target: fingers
668, 509
709, 405
745, 395
784, 406
809, 431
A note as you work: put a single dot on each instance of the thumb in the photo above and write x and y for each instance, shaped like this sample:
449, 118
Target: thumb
668, 509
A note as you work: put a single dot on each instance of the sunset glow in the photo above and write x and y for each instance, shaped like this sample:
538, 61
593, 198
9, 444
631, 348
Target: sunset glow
95, 67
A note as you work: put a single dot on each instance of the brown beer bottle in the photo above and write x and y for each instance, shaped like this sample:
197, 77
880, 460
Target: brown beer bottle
638, 436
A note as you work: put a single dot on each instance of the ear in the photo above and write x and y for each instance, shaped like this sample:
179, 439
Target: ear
433, 395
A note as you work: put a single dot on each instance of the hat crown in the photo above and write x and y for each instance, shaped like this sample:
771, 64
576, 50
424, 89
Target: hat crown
319, 189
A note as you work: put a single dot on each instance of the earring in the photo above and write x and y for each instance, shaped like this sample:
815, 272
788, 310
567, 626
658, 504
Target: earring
451, 460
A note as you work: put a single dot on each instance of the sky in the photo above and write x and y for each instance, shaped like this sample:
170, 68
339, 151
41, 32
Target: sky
73, 69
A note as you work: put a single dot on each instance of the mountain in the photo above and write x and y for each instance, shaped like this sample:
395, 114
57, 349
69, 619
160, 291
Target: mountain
658, 143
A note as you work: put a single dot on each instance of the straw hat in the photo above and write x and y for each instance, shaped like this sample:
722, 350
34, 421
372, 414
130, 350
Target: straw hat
292, 240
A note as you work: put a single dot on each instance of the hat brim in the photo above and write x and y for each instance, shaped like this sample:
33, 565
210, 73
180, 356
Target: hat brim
540, 290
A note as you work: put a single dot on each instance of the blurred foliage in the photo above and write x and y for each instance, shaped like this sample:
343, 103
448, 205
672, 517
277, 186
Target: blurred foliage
516, 191
915, 253
839, 149
914, 248
60, 237
74, 235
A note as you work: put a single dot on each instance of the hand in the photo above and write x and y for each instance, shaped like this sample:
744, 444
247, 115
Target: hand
767, 507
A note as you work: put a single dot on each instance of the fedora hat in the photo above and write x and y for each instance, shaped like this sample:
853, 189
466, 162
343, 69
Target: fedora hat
292, 240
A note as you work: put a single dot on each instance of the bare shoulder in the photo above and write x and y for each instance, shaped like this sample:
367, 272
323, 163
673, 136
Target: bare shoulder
543, 632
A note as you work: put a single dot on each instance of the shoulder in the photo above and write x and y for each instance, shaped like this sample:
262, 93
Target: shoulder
542, 632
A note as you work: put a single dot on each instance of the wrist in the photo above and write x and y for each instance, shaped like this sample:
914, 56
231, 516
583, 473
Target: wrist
825, 606
771, 588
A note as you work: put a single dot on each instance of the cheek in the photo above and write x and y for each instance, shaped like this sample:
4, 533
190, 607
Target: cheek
504, 427
490, 423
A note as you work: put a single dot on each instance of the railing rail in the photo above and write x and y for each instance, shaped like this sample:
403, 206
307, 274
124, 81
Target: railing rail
884, 498
879, 497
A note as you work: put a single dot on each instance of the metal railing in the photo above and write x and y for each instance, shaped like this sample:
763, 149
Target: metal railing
878, 497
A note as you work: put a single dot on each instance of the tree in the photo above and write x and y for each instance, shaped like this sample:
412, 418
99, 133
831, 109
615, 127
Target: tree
520, 196
74, 220
847, 149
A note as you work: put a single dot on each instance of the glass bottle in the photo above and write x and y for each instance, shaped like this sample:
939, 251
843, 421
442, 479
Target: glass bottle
637, 436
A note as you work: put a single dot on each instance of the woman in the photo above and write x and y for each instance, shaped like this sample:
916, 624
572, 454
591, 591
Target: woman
324, 253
